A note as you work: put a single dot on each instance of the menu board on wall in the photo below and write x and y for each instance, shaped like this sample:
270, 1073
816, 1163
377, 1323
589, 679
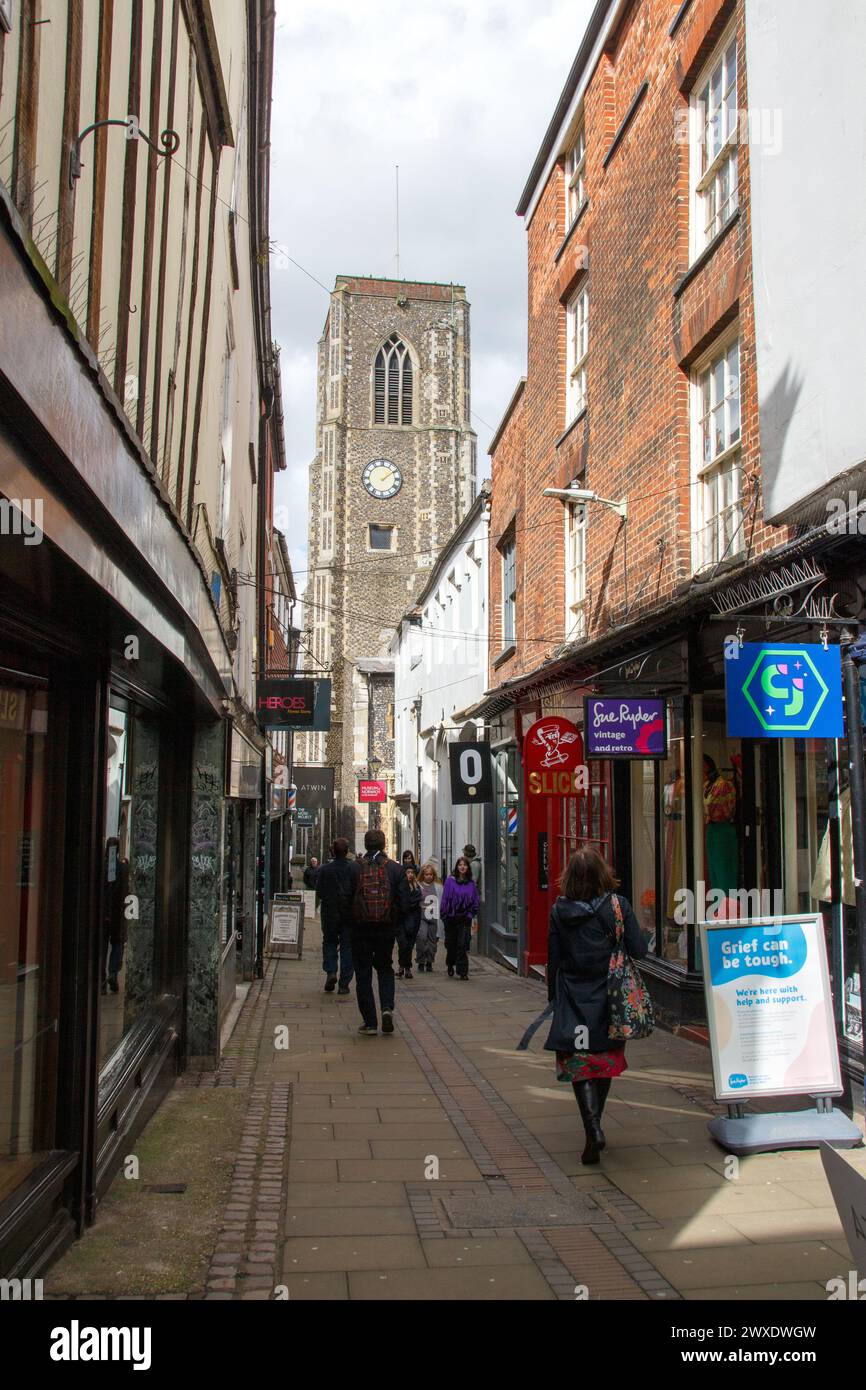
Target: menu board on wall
769, 1007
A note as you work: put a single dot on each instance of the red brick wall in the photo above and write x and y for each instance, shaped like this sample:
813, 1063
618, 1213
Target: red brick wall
644, 337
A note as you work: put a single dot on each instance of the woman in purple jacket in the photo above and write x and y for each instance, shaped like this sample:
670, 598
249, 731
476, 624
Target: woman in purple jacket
458, 907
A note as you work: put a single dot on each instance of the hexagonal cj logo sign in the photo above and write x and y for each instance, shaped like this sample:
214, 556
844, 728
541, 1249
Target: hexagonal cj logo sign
778, 691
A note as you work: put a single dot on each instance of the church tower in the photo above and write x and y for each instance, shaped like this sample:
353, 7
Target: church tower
394, 473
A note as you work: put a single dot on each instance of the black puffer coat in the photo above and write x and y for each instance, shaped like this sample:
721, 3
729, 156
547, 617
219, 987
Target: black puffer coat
580, 940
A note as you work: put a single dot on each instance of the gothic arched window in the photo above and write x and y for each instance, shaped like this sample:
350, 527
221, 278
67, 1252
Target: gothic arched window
392, 386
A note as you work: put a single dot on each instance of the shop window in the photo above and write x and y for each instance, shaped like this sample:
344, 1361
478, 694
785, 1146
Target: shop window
29, 933
674, 807
643, 846
131, 867
832, 889
505, 776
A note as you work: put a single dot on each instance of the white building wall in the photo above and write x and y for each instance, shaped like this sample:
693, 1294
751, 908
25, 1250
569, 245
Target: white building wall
440, 670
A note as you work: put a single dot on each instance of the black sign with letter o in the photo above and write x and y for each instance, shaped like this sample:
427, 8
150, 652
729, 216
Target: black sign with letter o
471, 773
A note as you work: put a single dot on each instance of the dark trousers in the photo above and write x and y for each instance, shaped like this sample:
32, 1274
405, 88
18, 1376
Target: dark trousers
336, 945
407, 935
458, 936
373, 949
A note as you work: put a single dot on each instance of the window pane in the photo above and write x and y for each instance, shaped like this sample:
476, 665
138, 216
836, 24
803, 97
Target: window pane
380, 537
29, 948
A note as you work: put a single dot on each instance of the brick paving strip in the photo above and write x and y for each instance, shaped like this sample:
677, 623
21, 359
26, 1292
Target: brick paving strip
597, 1254
244, 1263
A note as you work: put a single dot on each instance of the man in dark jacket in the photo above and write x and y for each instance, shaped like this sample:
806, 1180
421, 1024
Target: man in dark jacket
335, 886
380, 895
311, 874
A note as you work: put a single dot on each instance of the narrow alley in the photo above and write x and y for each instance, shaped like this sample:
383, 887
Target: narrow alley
441, 1163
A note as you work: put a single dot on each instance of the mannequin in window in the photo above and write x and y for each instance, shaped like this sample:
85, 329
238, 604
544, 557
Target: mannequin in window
721, 842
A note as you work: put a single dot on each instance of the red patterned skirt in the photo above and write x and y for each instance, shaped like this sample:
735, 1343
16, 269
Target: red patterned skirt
591, 1066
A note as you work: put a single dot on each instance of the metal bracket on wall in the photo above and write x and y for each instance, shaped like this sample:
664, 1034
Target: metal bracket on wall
169, 139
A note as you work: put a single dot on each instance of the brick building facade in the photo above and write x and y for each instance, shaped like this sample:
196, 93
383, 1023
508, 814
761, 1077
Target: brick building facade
394, 473
641, 400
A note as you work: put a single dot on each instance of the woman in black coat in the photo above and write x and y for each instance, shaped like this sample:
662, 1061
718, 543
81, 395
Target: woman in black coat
580, 942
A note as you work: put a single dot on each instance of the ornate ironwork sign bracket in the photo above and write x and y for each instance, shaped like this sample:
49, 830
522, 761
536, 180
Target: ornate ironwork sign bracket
169, 140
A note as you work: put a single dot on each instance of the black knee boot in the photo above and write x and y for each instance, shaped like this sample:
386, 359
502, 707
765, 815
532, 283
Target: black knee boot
590, 1111
603, 1084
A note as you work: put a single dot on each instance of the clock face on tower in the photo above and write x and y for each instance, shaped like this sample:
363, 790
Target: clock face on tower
382, 478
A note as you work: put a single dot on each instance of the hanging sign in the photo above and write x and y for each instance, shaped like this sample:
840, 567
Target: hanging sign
553, 758
315, 787
288, 703
374, 791
769, 1007
621, 727
775, 691
471, 773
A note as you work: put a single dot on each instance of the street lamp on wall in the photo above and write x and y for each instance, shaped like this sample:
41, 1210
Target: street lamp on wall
374, 766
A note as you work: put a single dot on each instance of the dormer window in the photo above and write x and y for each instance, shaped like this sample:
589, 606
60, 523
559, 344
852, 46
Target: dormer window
392, 386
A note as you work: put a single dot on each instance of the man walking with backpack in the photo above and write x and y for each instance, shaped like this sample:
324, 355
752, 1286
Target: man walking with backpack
381, 893
335, 886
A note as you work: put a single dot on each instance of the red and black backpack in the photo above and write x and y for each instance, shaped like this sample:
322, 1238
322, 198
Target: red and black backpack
372, 901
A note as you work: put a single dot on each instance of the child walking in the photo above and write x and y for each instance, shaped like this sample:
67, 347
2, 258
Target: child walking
428, 936
408, 926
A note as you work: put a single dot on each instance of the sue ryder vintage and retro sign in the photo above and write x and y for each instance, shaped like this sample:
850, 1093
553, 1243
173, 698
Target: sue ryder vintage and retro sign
778, 690
625, 727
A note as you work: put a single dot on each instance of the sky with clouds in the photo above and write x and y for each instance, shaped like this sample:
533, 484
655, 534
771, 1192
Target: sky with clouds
458, 95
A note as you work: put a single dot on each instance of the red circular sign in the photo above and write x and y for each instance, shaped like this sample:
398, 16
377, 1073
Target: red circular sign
552, 754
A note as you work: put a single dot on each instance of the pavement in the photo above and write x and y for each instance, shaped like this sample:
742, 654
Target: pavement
440, 1163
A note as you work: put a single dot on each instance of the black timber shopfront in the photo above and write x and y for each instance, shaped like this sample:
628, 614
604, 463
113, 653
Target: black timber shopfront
768, 817
113, 674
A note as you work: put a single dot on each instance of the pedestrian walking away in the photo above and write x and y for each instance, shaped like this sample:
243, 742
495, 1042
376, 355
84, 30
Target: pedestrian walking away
458, 908
335, 885
311, 874
585, 923
475, 864
408, 924
379, 898
428, 934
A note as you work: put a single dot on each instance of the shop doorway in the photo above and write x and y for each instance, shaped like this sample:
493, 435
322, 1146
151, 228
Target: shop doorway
762, 817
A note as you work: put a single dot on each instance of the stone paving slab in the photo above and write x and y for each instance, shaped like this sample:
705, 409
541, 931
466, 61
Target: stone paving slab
481, 1284
349, 1221
353, 1252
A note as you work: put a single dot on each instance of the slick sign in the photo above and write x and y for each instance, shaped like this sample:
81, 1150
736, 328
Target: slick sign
553, 758
471, 773
775, 691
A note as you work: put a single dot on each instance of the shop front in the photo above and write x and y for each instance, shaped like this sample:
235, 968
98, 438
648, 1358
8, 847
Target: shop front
707, 823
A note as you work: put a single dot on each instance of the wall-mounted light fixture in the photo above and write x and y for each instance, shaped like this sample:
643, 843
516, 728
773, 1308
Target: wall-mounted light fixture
169, 139
582, 494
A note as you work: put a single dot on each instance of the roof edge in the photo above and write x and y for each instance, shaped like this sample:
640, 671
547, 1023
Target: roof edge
584, 52
500, 428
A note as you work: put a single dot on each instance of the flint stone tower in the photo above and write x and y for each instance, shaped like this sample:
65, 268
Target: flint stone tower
394, 473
